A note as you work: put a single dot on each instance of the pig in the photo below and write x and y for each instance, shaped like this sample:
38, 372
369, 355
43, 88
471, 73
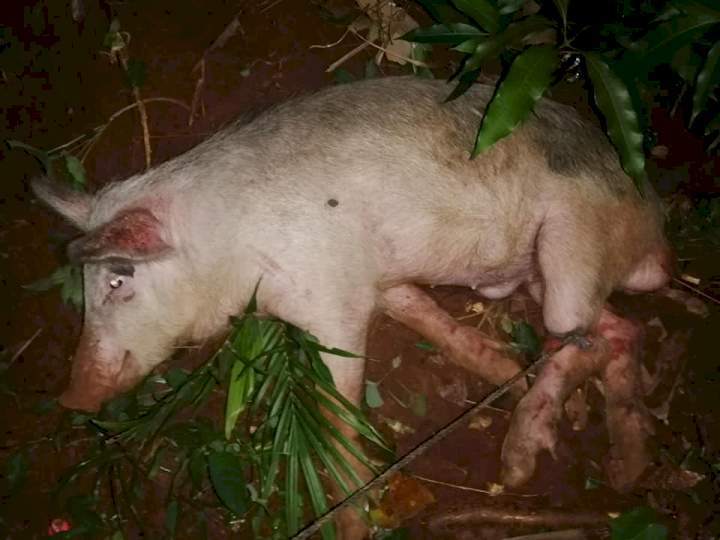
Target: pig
340, 204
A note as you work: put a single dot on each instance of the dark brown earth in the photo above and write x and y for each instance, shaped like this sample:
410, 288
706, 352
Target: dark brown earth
63, 87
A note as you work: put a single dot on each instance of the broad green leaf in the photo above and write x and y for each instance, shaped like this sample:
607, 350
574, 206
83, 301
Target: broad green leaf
16, 471
528, 77
562, 7
372, 395
613, 100
77, 171
686, 63
197, 467
453, 34
468, 46
661, 43
171, 517
465, 82
228, 480
483, 12
637, 524
440, 10
707, 80
509, 6
42, 156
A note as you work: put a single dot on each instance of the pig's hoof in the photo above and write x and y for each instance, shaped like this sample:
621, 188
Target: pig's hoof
629, 426
533, 428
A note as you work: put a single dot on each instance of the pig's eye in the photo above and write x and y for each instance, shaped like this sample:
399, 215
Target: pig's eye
116, 283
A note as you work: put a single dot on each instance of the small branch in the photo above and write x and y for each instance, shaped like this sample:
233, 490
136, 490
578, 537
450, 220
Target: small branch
696, 290
516, 517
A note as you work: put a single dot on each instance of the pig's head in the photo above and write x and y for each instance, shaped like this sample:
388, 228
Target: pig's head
131, 320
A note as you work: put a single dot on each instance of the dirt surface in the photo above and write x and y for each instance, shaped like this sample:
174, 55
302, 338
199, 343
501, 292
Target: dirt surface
64, 87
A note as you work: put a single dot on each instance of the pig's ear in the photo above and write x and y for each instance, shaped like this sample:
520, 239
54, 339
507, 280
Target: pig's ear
134, 235
75, 206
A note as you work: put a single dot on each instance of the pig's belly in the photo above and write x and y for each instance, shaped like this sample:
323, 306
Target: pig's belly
489, 282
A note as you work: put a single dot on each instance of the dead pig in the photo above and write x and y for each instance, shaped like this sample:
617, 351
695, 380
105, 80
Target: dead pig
341, 202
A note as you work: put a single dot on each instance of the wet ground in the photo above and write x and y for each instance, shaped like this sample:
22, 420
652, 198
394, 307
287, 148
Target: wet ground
61, 86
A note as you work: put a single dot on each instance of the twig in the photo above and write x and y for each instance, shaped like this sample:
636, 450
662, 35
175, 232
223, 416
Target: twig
515, 517
419, 450
569, 534
344, 58
24, 347
472, 489
101, 129
407, 59
696, 290
333, 44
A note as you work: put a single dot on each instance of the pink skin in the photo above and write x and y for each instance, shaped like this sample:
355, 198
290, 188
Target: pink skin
613, 356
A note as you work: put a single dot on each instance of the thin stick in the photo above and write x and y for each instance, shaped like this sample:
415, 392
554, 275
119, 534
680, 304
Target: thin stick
419, 450
696, 290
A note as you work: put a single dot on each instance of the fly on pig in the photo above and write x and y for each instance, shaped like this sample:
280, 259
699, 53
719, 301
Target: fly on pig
344, 203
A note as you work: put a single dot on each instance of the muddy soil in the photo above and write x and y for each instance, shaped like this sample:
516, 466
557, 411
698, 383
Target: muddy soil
63, 86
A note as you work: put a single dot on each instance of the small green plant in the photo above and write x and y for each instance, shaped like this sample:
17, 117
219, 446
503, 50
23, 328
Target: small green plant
622, 49
265, 455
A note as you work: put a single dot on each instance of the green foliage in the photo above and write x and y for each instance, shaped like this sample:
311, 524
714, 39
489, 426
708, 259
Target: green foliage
526, 82
69, 279
637, 524
618, 47
267, 453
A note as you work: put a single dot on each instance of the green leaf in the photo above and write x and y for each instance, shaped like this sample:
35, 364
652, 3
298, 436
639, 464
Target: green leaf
372, 395
465, 82
293, 497
425, 345
197, 467
528, 77
483, 12
171, 517
343, 76
707, 80
562, 7
440, 10
661, 43
525, 339
240, 390
613, 100
637, 524
136, 73
16, 471
453, 34
42, 156
228, 480
509, 6
686, 63
315, 487
77, 171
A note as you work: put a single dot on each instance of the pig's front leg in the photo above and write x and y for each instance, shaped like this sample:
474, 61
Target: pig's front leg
464, 345
343, 325
613, 355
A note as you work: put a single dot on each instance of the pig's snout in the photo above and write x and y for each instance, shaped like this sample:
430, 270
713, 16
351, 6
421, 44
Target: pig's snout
97, 376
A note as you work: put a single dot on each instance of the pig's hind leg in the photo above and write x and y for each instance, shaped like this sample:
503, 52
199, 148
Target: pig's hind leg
613, 356
464, 345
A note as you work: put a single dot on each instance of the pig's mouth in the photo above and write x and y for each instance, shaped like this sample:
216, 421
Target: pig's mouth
94, 380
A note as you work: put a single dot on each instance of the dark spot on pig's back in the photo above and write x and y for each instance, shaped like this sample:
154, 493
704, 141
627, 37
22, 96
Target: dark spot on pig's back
333, 203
